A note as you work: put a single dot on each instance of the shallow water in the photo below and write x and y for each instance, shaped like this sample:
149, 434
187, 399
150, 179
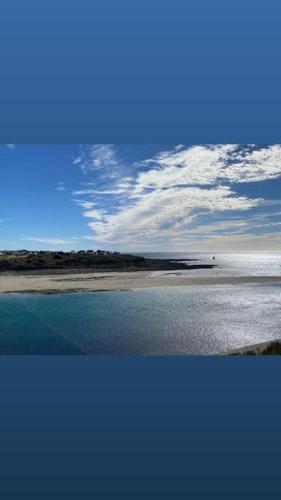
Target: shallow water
172, 320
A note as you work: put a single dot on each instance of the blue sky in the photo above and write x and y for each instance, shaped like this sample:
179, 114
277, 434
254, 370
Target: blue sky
140, 198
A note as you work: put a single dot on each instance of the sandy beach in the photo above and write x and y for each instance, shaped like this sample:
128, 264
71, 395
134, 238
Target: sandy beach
93, 282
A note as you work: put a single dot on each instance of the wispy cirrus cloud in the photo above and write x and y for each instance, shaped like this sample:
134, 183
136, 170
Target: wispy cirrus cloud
61, 186
98, 156
169, 196
157, 213
50, 241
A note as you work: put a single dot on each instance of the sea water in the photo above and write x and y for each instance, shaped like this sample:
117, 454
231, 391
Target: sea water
172, 320
227, 264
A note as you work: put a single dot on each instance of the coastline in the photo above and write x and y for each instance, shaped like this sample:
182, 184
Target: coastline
112, 281
269, 347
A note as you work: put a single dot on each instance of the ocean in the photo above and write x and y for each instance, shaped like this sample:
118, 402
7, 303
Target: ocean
228, 263
172, 320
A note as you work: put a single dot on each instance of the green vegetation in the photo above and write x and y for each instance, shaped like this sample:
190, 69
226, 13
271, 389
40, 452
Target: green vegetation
66, 260
92, 261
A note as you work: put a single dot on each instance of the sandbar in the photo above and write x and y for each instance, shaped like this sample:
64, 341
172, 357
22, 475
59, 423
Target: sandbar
13, 282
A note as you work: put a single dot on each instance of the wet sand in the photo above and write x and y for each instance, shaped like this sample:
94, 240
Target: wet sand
94, 282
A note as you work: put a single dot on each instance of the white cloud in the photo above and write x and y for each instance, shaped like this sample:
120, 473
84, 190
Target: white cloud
207, 165
95, 157
165, 198
223, 226
156, 213
87, 205
61, 187
94, 214
255, 165
50, 241
87, 192
197, 165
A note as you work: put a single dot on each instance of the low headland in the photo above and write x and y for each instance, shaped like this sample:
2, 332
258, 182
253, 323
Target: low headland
89, 271
88, 260
269, 348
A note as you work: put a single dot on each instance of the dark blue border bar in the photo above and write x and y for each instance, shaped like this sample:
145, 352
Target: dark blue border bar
140, 71
140, 427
